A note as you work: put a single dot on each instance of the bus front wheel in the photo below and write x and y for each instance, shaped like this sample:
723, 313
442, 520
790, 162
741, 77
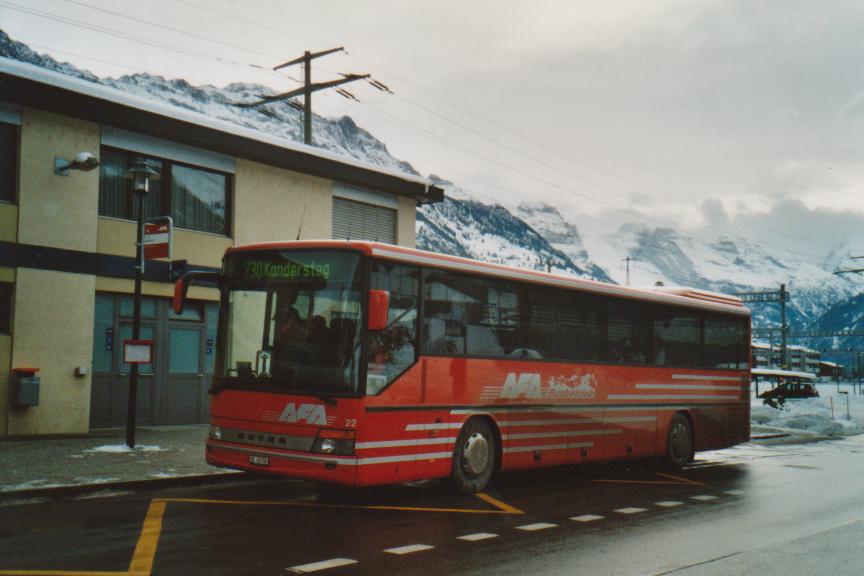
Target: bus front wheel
679, 448
474, 456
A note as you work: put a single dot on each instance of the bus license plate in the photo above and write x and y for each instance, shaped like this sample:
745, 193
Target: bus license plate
259, 460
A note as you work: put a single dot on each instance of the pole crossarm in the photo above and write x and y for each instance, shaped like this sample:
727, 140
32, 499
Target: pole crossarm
849, 271
297, 91
312, 56
766, 296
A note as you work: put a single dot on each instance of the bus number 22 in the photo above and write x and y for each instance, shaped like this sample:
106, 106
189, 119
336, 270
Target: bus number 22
350, 422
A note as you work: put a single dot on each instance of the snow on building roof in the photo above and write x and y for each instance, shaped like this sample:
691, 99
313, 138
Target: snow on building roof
77, 86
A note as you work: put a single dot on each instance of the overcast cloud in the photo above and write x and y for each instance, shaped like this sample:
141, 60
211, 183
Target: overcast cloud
736, 113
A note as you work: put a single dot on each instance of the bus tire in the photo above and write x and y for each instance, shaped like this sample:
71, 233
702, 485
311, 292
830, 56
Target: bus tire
679, 447
474, 456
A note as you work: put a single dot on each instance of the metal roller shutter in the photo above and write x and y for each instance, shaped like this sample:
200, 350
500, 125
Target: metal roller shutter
361, 221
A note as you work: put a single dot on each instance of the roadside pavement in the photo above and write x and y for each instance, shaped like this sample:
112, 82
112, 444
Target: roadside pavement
102, 457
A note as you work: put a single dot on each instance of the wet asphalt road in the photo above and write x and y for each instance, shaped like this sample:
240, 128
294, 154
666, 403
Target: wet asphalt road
795, 509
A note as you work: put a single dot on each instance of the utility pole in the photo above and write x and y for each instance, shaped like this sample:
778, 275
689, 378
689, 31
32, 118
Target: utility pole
780, 296
784, 328
628, 259
309, 87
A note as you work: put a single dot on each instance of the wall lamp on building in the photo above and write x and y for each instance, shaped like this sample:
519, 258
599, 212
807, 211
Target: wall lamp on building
84, 161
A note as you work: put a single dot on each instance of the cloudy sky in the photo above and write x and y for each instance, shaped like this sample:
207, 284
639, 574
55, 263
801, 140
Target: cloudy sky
725, 114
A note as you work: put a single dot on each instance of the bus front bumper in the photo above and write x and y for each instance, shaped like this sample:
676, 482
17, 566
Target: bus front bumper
335, 469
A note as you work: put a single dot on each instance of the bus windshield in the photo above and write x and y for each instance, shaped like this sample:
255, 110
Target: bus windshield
291, 322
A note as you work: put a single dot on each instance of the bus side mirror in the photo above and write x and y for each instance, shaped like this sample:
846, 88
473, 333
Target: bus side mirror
379, 308
181, 287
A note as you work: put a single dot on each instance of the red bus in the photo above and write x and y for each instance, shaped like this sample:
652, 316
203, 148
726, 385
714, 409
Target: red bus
361, 363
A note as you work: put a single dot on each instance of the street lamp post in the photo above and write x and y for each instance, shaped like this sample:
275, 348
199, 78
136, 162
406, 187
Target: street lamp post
140, 174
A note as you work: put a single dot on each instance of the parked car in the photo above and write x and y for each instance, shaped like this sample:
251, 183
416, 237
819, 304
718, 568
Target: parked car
789, 390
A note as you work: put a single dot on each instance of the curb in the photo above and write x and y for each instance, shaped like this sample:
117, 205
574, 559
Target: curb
139, 485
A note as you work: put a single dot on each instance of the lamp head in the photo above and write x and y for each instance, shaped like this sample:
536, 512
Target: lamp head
141, 174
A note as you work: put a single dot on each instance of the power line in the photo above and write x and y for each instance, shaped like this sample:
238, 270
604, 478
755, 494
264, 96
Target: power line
514, 133
139, 39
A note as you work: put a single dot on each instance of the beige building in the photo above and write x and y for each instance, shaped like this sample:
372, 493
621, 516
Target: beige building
67, 240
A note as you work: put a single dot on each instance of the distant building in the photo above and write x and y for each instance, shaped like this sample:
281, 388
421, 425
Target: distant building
67, 241
800, 358
830, 370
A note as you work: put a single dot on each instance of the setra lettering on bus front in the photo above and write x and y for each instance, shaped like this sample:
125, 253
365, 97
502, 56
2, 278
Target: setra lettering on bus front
309, 413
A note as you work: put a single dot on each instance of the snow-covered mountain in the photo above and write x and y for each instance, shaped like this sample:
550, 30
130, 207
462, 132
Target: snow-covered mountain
466, 227
697, 258
533, 235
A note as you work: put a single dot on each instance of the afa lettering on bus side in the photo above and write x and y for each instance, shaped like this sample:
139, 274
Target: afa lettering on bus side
525, 385
309, 413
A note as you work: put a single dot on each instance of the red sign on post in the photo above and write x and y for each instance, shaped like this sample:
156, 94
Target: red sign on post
157, 240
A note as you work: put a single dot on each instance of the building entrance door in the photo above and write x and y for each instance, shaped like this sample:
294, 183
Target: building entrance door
171, 390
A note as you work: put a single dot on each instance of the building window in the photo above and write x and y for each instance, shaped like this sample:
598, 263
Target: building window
196, 198
8, 162
361, 221
6, 290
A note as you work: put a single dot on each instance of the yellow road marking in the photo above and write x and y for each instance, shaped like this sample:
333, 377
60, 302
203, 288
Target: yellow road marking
503, 509
151, 530
145, 550
680, 479
499, 504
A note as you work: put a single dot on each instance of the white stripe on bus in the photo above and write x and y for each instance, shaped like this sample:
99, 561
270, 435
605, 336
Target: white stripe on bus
403, 458
523, 423
629, 419
685, 387
435, 426
673, 397
703, 377
563, 409
398, 443
563, 434
516, 449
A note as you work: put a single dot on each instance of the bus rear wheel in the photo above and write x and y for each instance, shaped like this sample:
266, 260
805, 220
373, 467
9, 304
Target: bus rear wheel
679, 448
474, 456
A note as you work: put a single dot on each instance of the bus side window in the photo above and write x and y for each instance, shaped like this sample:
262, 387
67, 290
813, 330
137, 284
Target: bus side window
677, 337
393, 350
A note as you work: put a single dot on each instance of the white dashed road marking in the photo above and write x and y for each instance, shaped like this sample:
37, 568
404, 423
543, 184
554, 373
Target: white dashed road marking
323, 565
410, 549
477, 537
735, 492
668, 503
703, 497
537, 526
630, 510
586, 518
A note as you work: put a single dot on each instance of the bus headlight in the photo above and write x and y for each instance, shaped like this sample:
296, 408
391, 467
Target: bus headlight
216, 432
336, 442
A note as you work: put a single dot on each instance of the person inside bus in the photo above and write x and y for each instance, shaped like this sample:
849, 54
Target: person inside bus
318, 340
289, 329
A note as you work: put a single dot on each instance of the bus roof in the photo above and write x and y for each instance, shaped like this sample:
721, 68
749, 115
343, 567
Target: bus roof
682, 296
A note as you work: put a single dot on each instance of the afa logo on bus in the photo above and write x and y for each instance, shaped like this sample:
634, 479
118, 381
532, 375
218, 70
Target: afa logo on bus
308, 413
529, 385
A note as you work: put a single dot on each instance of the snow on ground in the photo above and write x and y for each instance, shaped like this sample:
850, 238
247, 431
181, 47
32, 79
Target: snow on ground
823, 416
